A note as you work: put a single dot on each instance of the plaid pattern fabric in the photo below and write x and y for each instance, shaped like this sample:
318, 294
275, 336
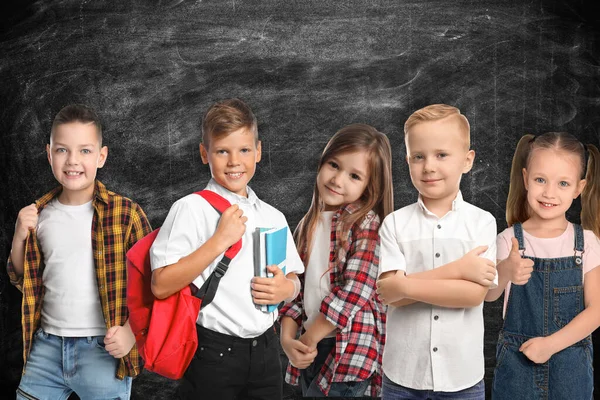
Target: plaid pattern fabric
352, 306
117, 224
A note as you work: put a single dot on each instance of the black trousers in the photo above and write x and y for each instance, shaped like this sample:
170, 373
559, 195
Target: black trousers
228, 367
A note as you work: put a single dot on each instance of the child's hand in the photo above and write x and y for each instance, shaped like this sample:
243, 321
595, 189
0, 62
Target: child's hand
232, 226
119, 340
477, 269
272, 290
539, 349
519, 269
26, 221
299, 354
391, 289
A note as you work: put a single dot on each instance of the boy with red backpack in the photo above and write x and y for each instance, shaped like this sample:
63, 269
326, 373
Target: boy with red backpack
238, 350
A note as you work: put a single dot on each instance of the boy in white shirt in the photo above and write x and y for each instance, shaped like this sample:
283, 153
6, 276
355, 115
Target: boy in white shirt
431, 273
238, 349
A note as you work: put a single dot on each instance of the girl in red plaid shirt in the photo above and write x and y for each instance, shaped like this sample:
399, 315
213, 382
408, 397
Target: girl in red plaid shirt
341, 319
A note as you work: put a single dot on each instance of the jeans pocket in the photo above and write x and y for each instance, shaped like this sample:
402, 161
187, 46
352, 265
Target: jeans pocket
99, 342
501, 349
568, 302
39, 333
213, 354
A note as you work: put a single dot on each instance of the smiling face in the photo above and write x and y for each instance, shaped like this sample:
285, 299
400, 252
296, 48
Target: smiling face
343, 178
437, 156
74, 153
232, 159
552, 180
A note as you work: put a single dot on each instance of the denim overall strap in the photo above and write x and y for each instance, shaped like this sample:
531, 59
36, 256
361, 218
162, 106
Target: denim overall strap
518, 230
579, 245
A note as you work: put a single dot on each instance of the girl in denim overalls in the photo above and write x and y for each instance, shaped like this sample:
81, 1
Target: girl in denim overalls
544, 349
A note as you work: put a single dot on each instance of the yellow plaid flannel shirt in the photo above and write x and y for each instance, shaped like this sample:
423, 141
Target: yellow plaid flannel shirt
117, 224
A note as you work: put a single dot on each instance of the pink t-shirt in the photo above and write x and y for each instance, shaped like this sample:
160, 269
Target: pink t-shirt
560, 246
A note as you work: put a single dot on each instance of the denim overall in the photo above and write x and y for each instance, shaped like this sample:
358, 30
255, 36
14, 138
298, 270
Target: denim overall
549, 301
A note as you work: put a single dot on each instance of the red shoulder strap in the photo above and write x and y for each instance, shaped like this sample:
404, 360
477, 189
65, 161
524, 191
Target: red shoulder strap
221, 204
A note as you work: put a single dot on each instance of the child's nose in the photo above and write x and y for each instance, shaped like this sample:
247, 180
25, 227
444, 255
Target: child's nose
72, 158
233, 159
336, 179
429, 165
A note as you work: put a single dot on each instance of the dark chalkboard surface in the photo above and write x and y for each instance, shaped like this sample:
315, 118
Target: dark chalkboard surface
307, 68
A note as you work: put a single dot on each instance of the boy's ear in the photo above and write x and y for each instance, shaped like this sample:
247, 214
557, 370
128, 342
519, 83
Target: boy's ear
48, 154
580, 187
469, 161
525, 182
203, 154
258, 152
102, 157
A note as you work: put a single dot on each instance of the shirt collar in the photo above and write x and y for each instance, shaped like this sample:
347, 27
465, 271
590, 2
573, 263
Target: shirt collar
230, 196
456, 203
100, 193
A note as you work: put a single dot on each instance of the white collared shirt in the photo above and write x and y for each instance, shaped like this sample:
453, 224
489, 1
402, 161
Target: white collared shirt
190, 222
430, 347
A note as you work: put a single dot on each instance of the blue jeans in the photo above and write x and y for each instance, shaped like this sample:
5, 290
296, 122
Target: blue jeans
308, 377
58, 366
392, 391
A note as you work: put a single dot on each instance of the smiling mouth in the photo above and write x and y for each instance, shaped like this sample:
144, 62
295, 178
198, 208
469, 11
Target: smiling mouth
332, 191
234, 175
73, 173
547, 205
430, 181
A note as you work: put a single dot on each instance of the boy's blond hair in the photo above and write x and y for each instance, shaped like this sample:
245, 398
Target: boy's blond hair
225, 117
436, 112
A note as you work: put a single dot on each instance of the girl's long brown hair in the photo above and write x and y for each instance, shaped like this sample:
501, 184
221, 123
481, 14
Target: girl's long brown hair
378, 194
517, 208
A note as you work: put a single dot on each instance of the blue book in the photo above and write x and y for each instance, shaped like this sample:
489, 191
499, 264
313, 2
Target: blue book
270, 245
275, 249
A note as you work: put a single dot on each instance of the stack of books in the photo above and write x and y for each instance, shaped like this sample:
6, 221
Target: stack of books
270, 246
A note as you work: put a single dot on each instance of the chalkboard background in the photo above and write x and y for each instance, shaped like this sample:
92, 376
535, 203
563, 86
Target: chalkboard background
307, 68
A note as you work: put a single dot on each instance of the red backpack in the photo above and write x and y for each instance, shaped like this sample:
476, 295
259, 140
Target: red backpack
165, 330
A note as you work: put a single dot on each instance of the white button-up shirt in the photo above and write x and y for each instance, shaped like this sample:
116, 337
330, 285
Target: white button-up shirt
191, 222
430, 347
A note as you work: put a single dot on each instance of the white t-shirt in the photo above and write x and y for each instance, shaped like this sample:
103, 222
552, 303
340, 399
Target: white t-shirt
190, 222
71, 305
316, 278
560, 246
430, 347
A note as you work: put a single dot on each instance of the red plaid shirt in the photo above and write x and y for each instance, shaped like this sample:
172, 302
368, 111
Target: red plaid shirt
117, 224
352, 306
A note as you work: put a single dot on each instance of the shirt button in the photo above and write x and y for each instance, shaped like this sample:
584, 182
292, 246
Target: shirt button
436, 317
435, 349
439, 226
437, 255
254, 343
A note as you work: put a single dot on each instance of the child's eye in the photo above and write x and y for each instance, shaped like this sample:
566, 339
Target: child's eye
443, 155
540, 180
245, 150
221, 151
61, 150
564, 183
333, 164
86, 151
417, 157
355, 177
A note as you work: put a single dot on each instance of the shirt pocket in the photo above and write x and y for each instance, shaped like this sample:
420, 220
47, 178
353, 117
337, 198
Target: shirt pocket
568, 302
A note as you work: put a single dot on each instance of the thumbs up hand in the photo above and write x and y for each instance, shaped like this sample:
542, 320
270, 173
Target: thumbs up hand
518, 269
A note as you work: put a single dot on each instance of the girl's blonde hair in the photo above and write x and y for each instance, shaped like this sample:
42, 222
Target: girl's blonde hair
517, 208
378, 194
